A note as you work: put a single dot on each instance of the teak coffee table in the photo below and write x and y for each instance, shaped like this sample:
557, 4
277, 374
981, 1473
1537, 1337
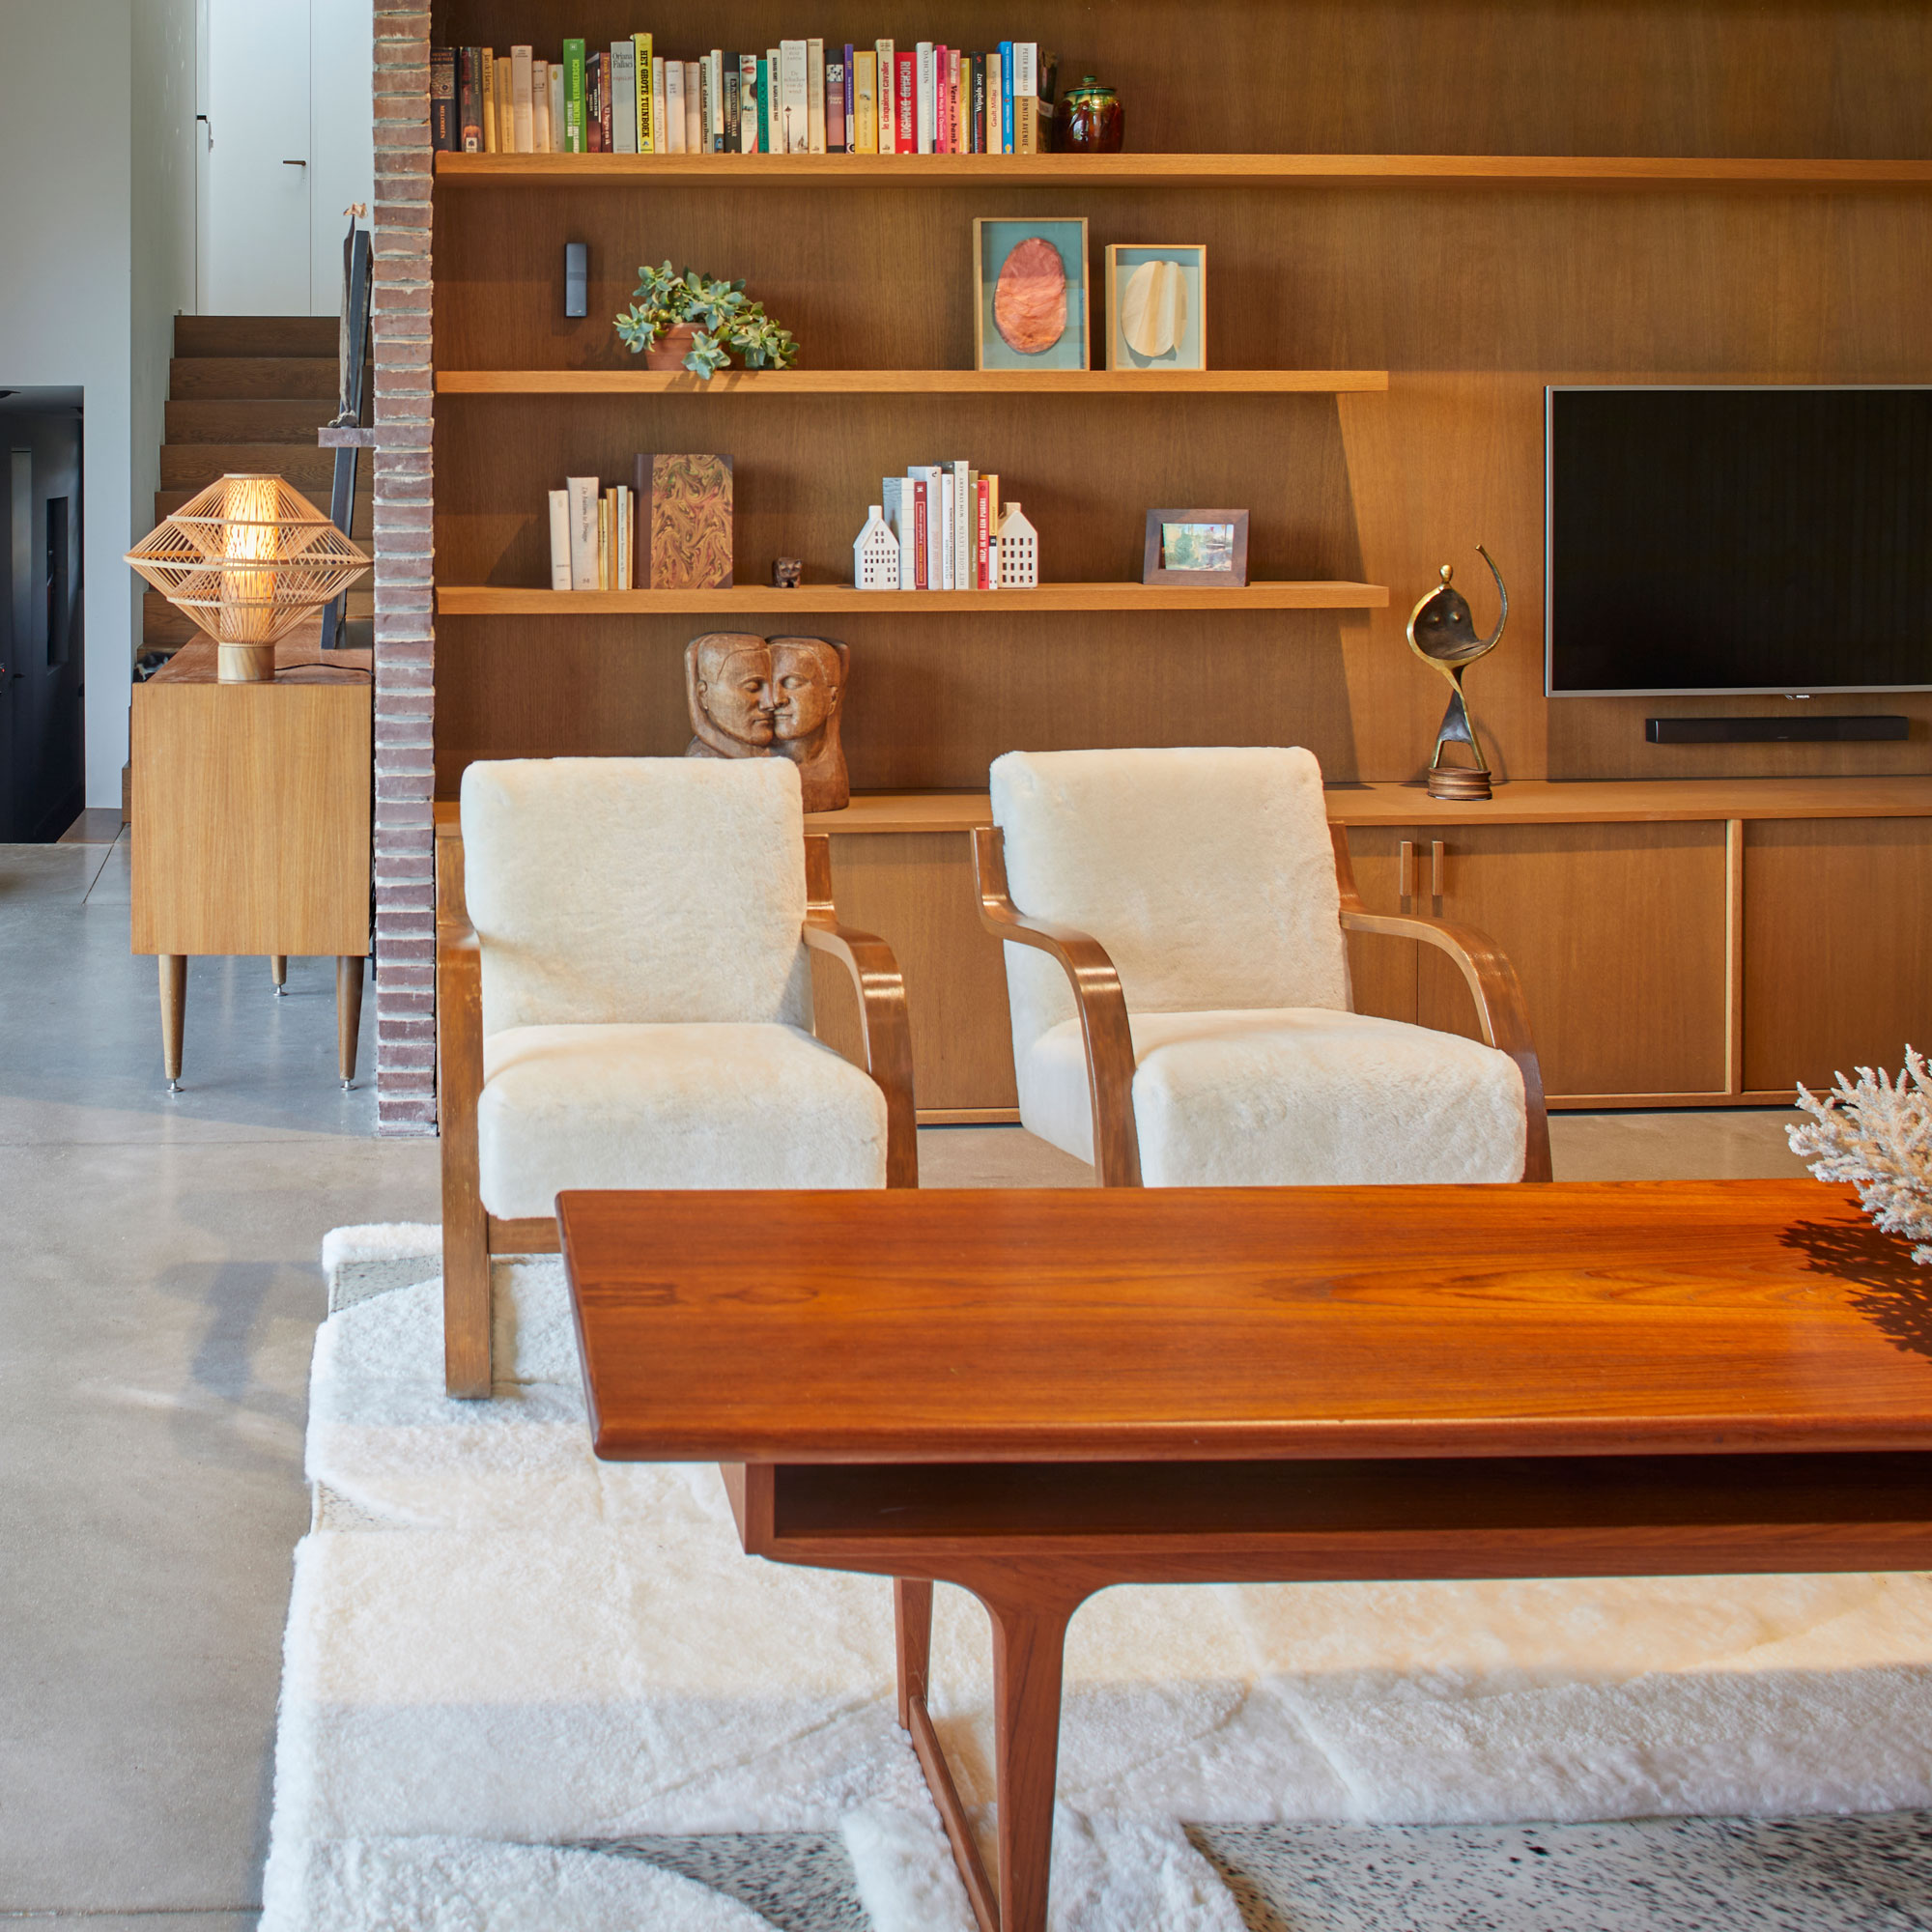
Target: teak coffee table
1036, 1395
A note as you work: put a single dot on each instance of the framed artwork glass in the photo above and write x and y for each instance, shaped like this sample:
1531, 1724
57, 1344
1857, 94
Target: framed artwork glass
1029, 294
1207, 549
1156, 306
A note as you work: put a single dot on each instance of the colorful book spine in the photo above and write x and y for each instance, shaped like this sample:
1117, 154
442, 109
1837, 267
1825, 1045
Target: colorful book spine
963, 574
1026, 96
574, 142
906, 106
469, 99
850, 101
707, 107
624, 97
921, 543
794, 110
979, 137
487, 68
1006, 90
983, 533
596, 103
748, 104
834, 107
442, 128
732, 138
887, 97
640, 62
923, 97
996, 87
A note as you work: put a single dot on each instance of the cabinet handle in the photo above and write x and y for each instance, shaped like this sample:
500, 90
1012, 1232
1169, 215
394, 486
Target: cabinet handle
1405, 871
1438, 869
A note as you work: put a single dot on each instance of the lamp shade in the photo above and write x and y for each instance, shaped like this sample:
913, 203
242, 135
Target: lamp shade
247, 560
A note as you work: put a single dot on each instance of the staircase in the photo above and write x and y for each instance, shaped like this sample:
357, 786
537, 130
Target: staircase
249, 393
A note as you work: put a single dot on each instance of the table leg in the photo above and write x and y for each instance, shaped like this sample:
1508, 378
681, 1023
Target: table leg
912, 1628
1029, 1646
174, 1006
278, 972
348, 1016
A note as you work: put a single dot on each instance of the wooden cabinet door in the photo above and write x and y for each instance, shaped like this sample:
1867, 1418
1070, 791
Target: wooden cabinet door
1382, 971
1617, 934
1837, 966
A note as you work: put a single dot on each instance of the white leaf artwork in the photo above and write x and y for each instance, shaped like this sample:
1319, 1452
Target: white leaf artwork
1153, 310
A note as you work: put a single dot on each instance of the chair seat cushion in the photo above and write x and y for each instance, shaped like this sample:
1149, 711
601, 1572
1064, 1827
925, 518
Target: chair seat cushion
675, 1105
1291, 1097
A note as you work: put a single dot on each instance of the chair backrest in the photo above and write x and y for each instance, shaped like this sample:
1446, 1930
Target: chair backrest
620, 891
1208, 875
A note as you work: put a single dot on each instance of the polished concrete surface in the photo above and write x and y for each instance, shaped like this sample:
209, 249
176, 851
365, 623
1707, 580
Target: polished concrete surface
157, 1298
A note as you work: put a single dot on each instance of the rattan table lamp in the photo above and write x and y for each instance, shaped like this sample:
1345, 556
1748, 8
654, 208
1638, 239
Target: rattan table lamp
247, 560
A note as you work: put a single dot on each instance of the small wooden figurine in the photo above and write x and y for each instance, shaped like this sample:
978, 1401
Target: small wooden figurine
787, 573
1019, 551
779, 697
875, 555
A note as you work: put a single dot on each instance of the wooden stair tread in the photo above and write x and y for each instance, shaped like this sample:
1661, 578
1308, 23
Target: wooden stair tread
198, 378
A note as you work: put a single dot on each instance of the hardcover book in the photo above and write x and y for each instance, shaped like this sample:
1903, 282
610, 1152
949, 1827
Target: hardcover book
556, 107
444, 132
674, 107
540, 121
921, 534
731, 138
996, 105
469, 99
583, 493
978, 136
897, 492
834, 107
659, 109
522, 128
624, 97
647, 127
748, 111
573, 98
865, 105
888, 99
1009, 85
559, 539
1026, 96
684, 522
792, 133
906, 106
491, 122
923, 99
849, 103
814, 96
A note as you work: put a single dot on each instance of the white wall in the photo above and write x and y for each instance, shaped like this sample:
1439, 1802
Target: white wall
342, 135
66, 299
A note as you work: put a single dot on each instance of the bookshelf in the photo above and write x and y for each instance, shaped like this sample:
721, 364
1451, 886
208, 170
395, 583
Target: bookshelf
1387, 301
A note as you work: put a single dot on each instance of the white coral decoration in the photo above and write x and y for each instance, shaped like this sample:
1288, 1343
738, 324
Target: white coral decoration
1877, 1135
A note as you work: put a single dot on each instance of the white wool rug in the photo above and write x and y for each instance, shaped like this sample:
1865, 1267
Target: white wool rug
501, 1653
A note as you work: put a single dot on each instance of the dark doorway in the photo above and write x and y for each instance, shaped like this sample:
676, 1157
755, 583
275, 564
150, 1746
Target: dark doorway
42, 770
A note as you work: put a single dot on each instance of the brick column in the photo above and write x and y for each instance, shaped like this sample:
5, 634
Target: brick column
405, 634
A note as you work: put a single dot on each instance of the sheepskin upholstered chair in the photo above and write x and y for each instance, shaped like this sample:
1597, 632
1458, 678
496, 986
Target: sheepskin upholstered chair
1179, 979
625, 1002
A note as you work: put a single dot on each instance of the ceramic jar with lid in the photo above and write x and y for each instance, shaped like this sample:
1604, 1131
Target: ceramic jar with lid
1093, 119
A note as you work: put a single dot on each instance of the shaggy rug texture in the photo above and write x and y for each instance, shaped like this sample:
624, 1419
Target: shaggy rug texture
525, 1688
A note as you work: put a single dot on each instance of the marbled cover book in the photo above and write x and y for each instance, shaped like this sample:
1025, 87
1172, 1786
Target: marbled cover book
684, 518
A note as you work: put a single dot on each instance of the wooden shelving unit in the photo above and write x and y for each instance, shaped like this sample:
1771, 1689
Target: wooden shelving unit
1156, 170
847, 383
456, 599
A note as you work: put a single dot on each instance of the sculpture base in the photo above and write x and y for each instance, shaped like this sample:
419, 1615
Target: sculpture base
1459, 781
244, 663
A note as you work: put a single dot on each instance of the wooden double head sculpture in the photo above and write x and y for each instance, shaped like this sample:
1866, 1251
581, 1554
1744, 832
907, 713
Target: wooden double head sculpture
771, 697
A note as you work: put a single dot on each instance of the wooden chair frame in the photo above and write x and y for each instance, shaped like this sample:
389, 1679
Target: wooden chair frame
1109, 1042
470, 1235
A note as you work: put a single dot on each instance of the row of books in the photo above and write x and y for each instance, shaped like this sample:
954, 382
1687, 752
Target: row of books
789, 100
592, 536
947, 519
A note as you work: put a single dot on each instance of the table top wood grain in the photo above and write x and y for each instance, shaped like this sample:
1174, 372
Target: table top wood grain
1183, 1324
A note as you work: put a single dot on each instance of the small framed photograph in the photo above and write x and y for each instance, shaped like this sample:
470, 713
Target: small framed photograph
1156, 306
1207, 549
1029, 294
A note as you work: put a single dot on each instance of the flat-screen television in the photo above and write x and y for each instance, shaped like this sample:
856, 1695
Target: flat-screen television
1737, 539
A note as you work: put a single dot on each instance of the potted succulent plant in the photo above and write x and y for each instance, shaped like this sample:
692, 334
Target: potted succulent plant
682, 319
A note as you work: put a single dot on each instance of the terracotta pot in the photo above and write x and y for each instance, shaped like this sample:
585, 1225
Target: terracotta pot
672, 348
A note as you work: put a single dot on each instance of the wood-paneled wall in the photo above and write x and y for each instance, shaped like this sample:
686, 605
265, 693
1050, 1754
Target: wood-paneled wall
1473, 300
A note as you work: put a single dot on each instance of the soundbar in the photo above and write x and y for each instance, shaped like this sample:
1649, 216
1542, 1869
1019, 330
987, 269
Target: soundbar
1795, 730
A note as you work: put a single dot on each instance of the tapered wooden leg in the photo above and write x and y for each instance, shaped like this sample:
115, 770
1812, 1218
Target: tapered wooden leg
911, 1626
348, 1014
278, 972
174, 1009
1029, 1646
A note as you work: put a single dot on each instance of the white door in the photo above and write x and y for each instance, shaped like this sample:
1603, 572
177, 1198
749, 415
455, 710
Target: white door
258, 246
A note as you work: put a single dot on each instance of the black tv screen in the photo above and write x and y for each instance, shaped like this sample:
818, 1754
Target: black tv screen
1739, 539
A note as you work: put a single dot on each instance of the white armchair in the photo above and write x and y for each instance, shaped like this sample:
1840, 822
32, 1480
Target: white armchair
1179, 979
624, 1001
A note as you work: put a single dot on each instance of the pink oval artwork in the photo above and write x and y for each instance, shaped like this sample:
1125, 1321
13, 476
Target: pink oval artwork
1030, 298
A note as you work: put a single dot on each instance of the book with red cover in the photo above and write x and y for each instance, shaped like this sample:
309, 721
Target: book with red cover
905, 117
605, 102
919, 527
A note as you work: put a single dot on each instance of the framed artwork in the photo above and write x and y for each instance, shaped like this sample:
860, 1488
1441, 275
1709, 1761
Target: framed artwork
1156, 306
1030, 295
1207, 549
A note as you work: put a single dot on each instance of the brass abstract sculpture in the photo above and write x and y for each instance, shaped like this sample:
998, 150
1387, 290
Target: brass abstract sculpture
758, 697
1441, 633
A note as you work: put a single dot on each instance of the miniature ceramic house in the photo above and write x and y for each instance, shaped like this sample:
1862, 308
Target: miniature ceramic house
1019, 551
875, 555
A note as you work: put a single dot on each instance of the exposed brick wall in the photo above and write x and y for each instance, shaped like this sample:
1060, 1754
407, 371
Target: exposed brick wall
405, 634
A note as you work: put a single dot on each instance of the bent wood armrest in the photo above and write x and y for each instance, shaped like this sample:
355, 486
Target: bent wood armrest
1492, 984
883, 1025
459, 1056
1097, 995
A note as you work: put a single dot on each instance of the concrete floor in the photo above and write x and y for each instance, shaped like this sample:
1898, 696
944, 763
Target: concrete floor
158, 1302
